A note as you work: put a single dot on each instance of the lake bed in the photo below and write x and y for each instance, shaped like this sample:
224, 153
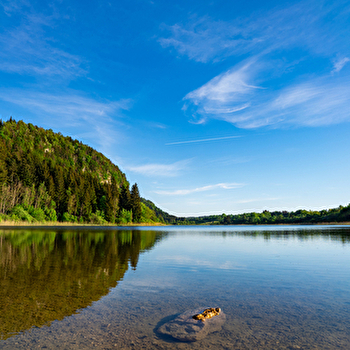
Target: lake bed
280, 287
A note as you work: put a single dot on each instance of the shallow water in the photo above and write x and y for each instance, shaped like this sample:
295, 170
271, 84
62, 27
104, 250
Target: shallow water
280, 287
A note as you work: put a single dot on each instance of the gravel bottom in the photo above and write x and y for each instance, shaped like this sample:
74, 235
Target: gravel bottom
128, 319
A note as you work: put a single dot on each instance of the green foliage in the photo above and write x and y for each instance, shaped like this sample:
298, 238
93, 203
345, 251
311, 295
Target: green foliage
66, 217
13, 217
148, 215
37, 213
135, 203
125, 217
52, 176
19, 213
161, 215
97, 218
124, 199
340, 214
50, 214
110, 203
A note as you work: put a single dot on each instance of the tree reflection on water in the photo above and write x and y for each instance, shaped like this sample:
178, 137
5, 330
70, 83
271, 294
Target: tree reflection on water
48, 275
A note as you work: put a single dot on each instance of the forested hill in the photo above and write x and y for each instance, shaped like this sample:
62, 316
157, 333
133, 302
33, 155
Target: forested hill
45, 176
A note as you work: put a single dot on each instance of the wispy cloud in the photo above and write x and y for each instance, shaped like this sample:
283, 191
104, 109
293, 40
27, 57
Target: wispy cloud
163, 170
157, 125
267, 88
317, 102
26, 50
225, 95
202, 140
13, 5
86, 116
225, 186
340, 63
205, 40
234, 97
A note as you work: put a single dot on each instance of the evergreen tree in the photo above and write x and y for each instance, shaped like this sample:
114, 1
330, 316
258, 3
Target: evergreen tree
112, 200
50, 184
135, 203
60, 193
86, 206
124, 199
26, 170
3, 168
111, 206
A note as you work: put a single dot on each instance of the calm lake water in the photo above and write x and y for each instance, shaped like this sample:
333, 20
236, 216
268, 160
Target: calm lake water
285, 287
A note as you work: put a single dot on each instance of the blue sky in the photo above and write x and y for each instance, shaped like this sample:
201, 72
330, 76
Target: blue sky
210, 106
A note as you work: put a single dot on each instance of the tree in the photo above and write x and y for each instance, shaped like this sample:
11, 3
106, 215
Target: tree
60, 193
111, 200
135, 203
124, 199
3, 169
86, 206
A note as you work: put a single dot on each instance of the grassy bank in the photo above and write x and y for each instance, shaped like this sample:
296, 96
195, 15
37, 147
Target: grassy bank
63, 224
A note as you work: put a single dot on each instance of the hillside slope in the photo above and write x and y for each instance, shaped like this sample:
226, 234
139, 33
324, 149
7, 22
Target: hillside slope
45, 176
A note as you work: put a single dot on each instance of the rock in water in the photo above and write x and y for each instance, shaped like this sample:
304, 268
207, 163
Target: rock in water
185, 328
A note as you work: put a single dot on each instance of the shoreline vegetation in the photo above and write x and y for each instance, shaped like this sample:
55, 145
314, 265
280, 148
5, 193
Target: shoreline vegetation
4, 224
12, 224
336, 216
53, 180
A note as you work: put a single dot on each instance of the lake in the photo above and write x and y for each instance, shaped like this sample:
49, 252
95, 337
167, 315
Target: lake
280, 287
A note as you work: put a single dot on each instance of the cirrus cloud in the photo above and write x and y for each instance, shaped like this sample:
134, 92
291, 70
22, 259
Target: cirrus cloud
234, 97
288, 74
156, 169
225, 186
89, 118
27, 49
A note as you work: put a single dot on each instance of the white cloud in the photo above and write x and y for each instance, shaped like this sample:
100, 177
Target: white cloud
268, 89
315, 103
340, 63
205, 40
13, 5
166, 170
70, 105
225, 87
226, 94
89, 118
234, 97
225, 186
26, 50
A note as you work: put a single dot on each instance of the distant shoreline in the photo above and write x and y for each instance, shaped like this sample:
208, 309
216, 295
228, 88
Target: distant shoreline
9, 224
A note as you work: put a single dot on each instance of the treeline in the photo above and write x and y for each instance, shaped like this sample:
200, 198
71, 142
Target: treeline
45, 176
340, 214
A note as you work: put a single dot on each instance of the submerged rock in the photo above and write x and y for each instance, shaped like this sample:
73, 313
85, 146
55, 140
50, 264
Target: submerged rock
185, 328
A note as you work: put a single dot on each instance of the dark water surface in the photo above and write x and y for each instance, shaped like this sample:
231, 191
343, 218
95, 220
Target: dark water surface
284, 287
